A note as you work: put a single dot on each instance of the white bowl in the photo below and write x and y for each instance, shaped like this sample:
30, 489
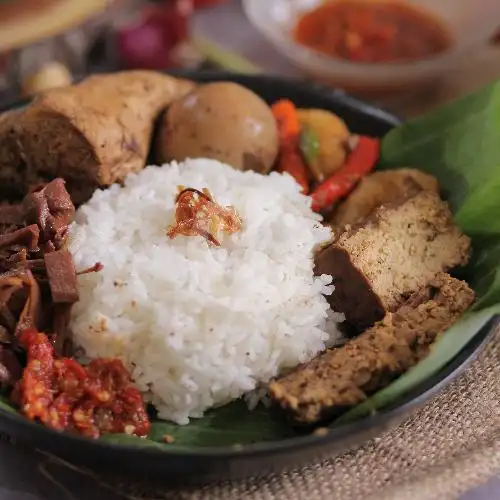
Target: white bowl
471, 23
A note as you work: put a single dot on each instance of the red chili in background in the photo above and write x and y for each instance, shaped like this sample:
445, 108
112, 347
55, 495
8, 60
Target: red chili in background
359, 163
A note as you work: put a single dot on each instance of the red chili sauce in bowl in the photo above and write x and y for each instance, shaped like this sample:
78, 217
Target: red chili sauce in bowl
372, 32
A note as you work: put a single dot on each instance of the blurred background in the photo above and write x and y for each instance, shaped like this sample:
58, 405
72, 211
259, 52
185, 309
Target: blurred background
407, 55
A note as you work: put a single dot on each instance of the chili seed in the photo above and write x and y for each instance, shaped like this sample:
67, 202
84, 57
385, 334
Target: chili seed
129, 429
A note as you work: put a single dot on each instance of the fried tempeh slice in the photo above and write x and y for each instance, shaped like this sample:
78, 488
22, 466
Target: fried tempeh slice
343, 377
382, 188
380, 263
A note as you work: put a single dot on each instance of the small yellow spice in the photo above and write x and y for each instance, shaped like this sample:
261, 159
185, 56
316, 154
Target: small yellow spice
129, 429
104, 396
78, 416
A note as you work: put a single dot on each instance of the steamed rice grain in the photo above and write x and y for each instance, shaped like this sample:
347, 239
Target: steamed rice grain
199, 326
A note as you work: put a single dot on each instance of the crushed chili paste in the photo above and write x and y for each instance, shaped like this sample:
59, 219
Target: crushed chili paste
93, 400
372, 32
198, 214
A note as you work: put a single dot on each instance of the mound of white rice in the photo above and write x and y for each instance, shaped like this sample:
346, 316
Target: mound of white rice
198, 325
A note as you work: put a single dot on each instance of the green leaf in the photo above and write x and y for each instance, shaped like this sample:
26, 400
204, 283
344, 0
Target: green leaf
127, 440
483, 272
459, 145
5, 405
230, 425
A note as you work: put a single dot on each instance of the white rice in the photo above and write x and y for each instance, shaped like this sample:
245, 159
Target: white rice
200, 326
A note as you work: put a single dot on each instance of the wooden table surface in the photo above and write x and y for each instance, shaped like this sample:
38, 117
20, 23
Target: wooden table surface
23, 476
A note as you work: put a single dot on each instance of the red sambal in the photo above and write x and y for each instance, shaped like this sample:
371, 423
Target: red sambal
372, 31
65, 396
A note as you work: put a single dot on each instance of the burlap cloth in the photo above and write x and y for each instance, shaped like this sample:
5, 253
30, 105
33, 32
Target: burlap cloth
447, 448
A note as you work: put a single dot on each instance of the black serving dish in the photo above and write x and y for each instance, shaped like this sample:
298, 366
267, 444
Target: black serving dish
206, 464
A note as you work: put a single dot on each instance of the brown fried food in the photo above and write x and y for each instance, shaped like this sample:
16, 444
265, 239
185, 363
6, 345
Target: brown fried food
382, 188
343, 377
397, 252
91, 134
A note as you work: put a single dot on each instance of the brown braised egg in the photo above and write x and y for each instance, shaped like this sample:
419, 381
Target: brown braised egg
222, 121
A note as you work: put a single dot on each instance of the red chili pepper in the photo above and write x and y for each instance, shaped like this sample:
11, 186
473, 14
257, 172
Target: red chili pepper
120, 407
290, 159
359, 163
36, 384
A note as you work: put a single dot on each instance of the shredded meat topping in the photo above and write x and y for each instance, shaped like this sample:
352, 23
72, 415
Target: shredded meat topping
198, 214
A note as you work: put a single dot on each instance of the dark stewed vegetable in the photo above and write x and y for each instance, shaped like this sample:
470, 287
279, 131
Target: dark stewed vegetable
37, 277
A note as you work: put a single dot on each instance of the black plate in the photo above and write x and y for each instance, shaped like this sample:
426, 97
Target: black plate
208, 464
